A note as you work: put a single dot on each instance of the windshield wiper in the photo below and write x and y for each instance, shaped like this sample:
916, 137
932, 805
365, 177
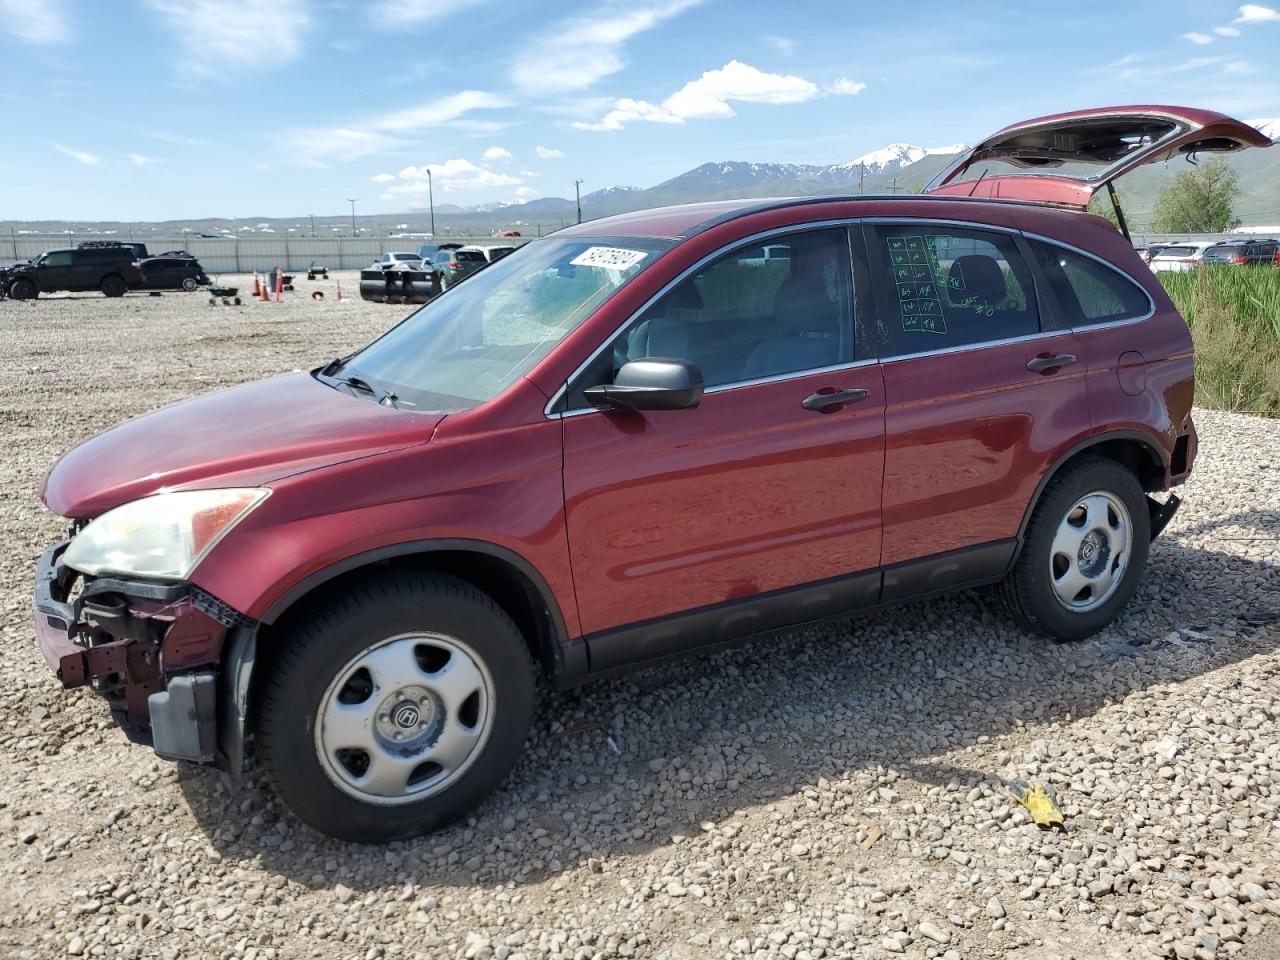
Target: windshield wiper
359, 383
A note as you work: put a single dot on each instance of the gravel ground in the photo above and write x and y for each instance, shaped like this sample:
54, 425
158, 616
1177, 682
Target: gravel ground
835, 793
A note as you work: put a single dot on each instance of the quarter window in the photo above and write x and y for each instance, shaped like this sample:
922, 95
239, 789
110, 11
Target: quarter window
760, 311
1088, 291
940, 287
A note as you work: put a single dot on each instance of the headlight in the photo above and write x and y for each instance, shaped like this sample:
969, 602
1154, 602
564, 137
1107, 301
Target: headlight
166, 535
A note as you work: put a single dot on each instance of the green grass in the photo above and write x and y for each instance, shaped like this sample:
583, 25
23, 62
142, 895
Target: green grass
1234, 315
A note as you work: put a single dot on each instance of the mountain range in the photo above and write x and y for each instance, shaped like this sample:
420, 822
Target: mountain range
896, 168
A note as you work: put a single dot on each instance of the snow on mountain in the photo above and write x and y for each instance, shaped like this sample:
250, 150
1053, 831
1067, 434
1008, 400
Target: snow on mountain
898, 155
1268, 125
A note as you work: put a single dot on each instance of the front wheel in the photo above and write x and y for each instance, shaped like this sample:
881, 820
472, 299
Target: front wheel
397, 708
1084, 551
23, 290
189, 284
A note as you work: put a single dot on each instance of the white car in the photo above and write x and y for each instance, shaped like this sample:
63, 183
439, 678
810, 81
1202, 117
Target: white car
492, 253
398, 261
1181, 256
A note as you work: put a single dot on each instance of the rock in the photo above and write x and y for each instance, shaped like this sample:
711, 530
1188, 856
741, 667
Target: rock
933, 932
995, 908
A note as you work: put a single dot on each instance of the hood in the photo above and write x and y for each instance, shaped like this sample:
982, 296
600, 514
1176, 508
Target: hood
245, 436
1067, 158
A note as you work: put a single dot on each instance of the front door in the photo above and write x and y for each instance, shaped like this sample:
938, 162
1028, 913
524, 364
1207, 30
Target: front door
978, 397
694, 526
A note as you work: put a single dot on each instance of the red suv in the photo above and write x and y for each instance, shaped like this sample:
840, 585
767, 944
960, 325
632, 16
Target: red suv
640, 437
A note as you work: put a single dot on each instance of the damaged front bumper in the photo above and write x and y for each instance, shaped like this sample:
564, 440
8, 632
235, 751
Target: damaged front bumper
151, 649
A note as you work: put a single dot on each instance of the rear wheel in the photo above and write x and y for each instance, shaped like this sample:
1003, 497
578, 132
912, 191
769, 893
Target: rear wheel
397, 708
113, 286
1084, 551
189, 284
23, 290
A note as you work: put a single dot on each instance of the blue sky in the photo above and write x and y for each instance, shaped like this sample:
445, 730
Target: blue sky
165, 109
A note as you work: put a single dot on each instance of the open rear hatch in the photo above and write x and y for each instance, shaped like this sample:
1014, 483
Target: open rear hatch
1067, 158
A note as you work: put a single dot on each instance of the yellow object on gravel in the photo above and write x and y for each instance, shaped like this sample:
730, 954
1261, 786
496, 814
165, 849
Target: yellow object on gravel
1042, 804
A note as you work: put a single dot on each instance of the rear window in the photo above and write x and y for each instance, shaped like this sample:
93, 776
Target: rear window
1089, 291
941, 287
1176, 252
1224, 252
468, 255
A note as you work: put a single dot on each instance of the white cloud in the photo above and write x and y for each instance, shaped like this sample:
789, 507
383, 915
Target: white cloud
1226, 31
140, 160
709, 97
498, 153
316, 145
529, 173
524, 193
383, 177
88, 159
36, 21
784, 45
397, 15
1256, 13
846, 87
1199, 39
451, 175
548, 153
224, 37
577, 52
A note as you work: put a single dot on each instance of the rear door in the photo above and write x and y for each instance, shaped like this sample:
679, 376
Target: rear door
1067, 158
979, 394
761, 506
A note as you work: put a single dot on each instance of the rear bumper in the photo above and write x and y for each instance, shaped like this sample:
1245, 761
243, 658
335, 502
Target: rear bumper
150, 649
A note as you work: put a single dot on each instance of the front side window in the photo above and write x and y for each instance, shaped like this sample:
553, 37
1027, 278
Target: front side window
1087, 291
758, 312
62, 259
466, 346
941, 286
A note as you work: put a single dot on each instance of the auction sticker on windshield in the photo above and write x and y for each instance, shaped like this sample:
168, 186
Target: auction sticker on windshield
611, 258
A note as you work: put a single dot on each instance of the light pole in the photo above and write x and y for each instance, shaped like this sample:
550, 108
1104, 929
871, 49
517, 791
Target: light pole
577, 194
353, 216
431, 202
313, 223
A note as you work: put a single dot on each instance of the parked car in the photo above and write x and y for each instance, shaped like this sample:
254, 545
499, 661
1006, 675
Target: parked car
1244, 253
110, 269
1146, 253
171, 272
398, 261
1179, 257
630, 443
318, 269
429, 250
449, 266
492, 253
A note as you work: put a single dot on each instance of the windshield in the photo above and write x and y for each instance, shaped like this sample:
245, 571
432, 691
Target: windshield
466, 346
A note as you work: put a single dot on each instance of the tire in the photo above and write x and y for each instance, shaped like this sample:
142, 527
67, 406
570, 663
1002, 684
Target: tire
189, 284
23, 290
1090, 529
445, 283
113, 286
423, 656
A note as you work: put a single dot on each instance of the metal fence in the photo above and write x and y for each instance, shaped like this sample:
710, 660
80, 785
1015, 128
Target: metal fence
243, 254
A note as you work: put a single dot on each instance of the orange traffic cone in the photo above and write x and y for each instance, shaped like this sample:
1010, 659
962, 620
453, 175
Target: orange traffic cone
257, 290
262, 295
340, 290
279, 283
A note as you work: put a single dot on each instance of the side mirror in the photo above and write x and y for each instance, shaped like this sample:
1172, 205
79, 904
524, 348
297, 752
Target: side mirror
650, 384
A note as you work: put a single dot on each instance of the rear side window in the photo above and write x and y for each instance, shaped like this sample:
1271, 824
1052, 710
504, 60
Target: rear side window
941, 286
472, 255
1088, 291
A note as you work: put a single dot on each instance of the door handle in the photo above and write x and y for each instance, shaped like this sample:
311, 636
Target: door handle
820, 401
1044, 363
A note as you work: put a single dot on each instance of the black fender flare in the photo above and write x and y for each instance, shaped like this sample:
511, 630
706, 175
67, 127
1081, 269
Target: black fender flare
235, 681
1146, 440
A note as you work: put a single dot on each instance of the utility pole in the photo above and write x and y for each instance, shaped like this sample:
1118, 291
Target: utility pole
431, 201
313, 223
894, 187
862, 172
353, 216
577, 193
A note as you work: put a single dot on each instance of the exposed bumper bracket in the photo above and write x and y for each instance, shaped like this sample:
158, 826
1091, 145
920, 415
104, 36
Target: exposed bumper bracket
1162, 513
